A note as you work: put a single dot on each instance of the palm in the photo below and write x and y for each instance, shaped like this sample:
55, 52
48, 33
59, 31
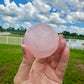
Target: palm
46, 74
48, 70
44, 71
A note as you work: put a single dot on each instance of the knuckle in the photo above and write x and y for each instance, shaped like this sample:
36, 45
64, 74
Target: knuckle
15, 80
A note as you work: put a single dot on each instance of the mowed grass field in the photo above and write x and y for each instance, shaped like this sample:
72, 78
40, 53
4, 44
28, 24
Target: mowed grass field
11, 39
11, 57
13, 35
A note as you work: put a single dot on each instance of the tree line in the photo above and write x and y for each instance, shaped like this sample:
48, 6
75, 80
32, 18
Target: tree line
67, 33
22, 30
18, 31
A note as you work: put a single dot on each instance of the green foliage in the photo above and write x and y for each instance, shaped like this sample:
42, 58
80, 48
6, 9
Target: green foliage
21, 31
74, 37
13, 35
75, 70
11, 57
1, 29
67, 33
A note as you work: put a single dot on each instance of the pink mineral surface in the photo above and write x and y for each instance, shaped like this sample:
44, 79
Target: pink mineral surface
42, 40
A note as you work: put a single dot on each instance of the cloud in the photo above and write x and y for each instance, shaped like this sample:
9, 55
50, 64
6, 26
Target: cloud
64, 11
9, 19
7, 2
75, 17
71, 29
37, 11
42, 7
55, 19
53, 25
72, 8
78, 16
26, 25
6, 25
69, 18
75, 29
10, 9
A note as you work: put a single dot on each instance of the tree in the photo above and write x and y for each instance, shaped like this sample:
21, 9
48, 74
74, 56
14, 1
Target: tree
74, 34
66, 33
1, 29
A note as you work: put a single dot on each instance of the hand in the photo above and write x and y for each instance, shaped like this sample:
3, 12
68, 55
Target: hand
48, 70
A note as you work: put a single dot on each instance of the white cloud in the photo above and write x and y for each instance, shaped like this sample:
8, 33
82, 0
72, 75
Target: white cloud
78, 16
6, 25
9, 19
55, 19
67, 7
75, 16
41, 6
26, 25
61, 28
71, 29
69, 18
39, 11
75, 29
10, 10
7, 2
53, 25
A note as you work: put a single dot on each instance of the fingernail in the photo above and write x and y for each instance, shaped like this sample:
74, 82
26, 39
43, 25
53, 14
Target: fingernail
63, 39
23, 49
62, 35
68, 47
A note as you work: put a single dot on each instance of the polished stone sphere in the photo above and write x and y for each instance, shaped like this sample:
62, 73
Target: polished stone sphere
42, 40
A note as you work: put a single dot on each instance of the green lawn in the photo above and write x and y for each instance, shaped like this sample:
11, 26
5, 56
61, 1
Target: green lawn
14, 35
73, 37
12, 39
11, 57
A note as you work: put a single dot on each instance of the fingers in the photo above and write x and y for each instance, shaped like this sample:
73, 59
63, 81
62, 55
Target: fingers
57, 55
28, 56
61, 46
61, 67
60, 36
25, 66
49, 59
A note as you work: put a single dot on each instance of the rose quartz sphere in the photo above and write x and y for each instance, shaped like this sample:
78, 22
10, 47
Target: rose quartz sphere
42, 40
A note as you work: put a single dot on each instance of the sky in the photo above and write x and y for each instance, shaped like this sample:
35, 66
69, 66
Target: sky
63, 15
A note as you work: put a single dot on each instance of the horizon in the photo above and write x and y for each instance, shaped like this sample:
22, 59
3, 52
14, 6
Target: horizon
67, 15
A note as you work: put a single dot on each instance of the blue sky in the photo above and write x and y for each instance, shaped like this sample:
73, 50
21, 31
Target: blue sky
62, 15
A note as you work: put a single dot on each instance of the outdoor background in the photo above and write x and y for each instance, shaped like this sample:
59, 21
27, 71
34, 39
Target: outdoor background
65, 16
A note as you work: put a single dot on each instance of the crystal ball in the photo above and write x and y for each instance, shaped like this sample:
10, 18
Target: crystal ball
42, 40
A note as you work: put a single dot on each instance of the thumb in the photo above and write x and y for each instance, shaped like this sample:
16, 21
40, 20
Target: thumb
25, 66
28, 57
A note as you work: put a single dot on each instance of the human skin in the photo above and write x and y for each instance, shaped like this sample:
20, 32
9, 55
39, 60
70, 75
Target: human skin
48, 70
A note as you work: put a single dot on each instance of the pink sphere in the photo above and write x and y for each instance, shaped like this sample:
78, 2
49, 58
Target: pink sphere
42, 40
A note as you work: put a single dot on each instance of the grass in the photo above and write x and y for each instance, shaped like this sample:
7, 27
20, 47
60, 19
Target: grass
75, 70
15, 39
14, 35
73, 37
11, 57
